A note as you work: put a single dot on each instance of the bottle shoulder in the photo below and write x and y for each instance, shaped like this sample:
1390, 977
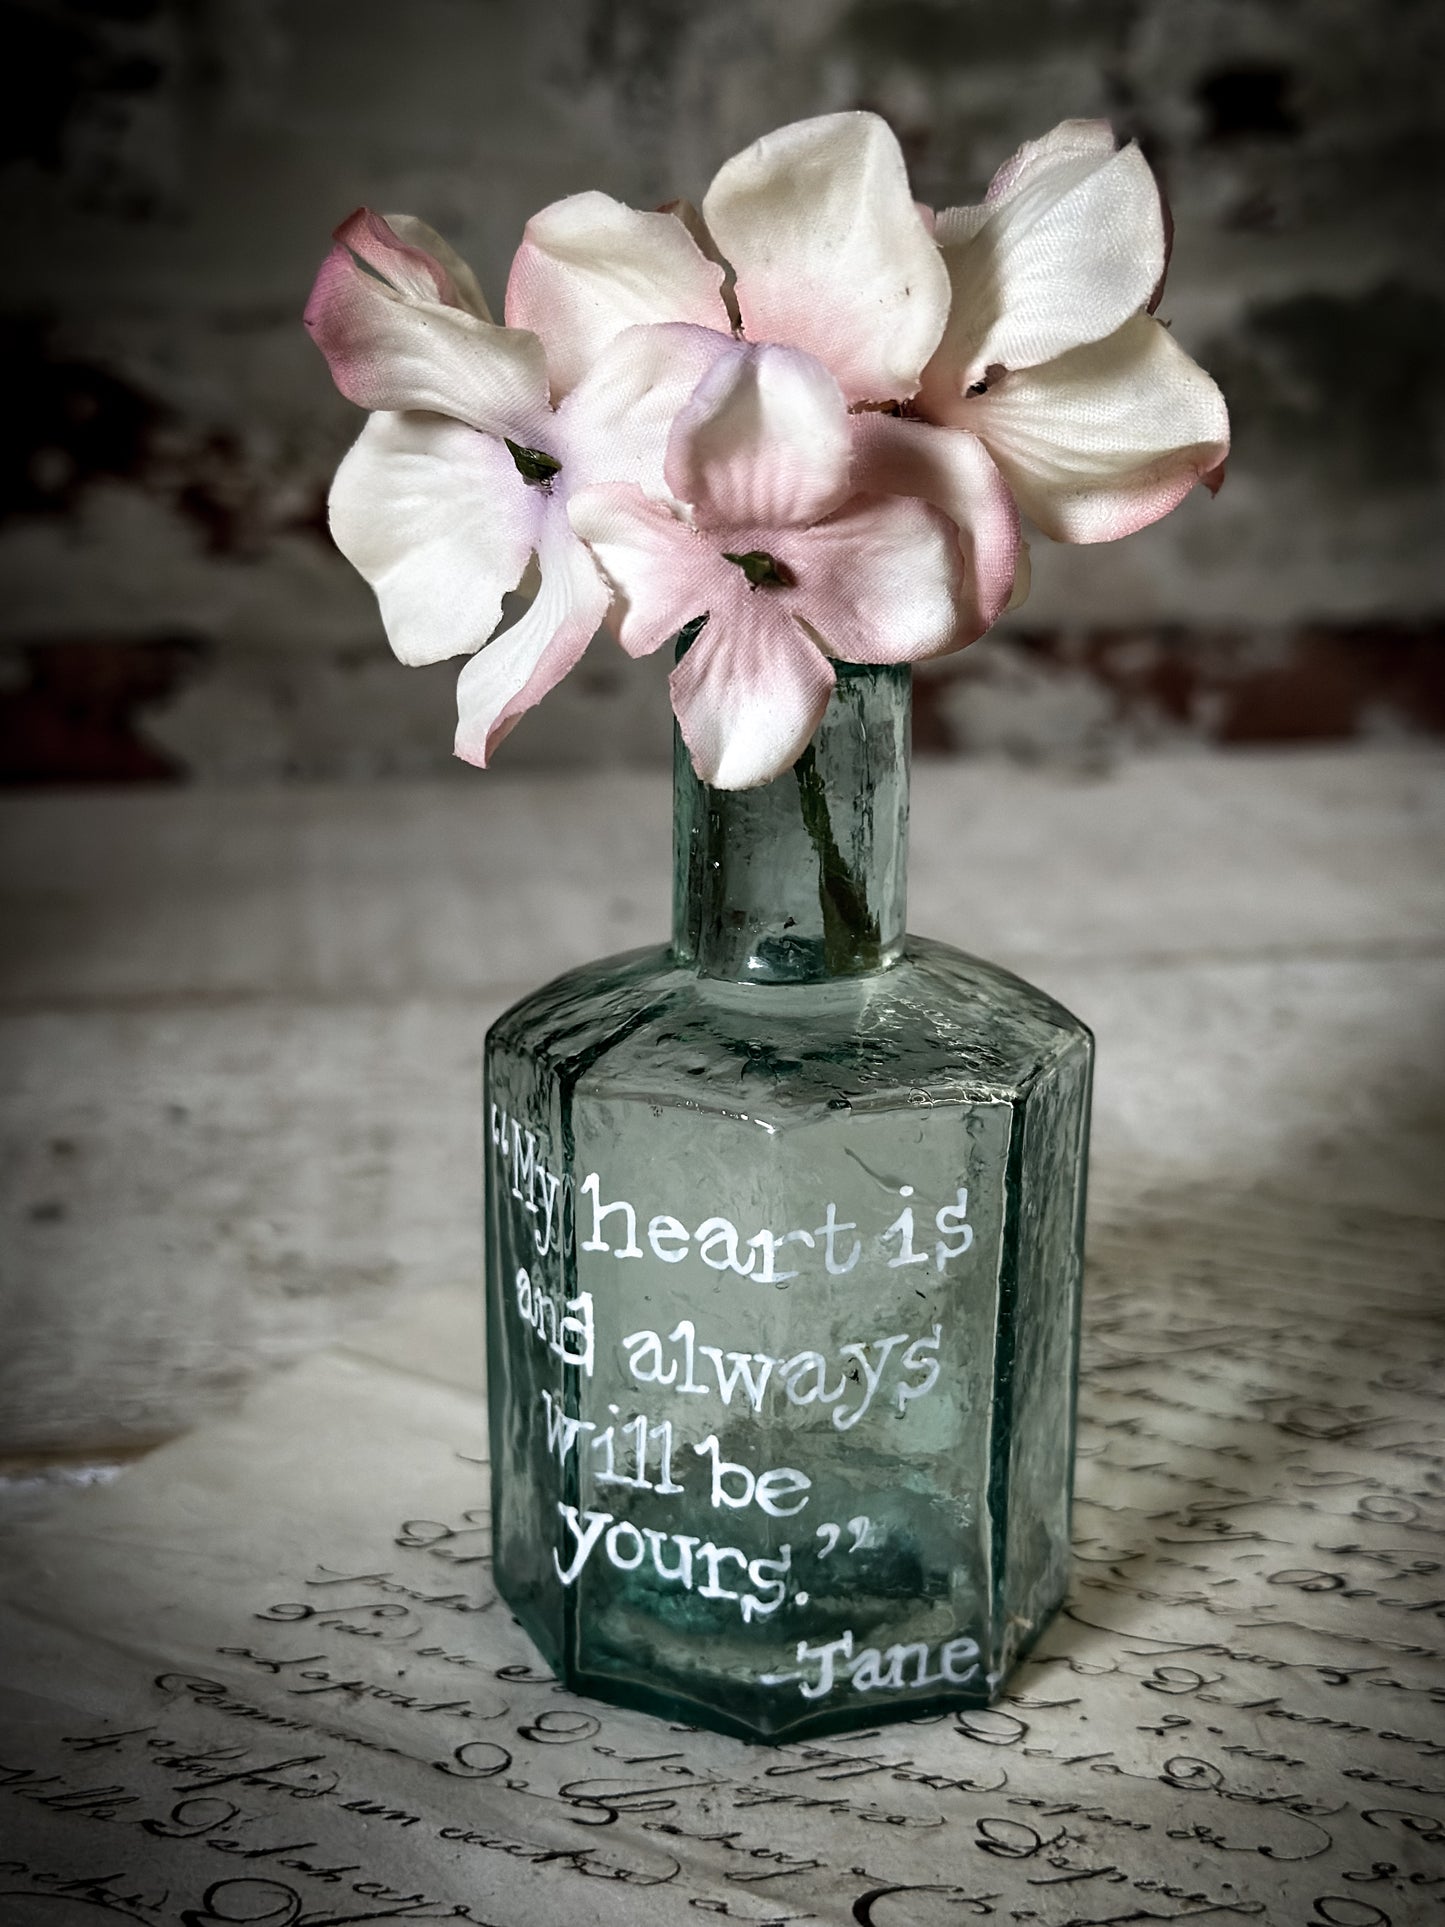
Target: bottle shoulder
936, 1024
951, 975
587, 1007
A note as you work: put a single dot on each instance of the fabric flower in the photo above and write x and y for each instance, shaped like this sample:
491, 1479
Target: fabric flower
1051, 355
461, 477
827, 251
786, 563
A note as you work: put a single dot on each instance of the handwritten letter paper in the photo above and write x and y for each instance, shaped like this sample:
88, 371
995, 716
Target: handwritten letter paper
263, 1678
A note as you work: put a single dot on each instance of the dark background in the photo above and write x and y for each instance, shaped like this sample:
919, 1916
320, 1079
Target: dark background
170, 605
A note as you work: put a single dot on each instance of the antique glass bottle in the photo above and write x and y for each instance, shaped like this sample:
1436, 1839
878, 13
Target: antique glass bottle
784, 1246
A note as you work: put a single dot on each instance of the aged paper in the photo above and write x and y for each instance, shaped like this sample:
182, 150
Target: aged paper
263, 1678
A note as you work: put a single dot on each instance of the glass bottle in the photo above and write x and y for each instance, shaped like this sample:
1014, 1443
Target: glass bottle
784, 1247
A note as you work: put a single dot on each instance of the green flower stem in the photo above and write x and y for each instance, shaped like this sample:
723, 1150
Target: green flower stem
850, 928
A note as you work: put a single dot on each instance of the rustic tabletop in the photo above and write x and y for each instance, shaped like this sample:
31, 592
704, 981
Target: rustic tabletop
260, 1675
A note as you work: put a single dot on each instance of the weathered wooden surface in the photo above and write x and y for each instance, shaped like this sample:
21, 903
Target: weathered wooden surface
241, 1033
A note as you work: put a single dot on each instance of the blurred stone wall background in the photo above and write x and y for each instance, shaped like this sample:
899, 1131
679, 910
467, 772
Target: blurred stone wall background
170, 170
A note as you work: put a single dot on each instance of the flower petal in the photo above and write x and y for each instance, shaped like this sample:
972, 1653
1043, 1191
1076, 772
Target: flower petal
1106, 439
614, 425
393, 349
881, 581
404, 262
437, 519
830, 252
696, 226
518, 667
663, 573
464, 291
589, 266
1088, 141
1069, 244
749, 693
952, 470
763, 440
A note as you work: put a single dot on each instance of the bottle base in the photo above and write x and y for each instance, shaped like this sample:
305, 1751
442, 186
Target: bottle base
794, 1720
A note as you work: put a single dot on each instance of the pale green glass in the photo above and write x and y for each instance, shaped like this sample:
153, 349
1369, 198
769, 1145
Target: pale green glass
785, 1227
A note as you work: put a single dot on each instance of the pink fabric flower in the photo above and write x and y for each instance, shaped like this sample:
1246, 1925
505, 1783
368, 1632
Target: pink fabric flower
773, 547
1051, 355
461, 477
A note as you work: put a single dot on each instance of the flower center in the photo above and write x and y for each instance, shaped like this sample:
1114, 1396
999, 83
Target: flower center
534, 465
762, 570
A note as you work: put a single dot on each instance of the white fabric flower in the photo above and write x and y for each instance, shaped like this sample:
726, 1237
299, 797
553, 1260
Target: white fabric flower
461, 477
827, 251
1052, 357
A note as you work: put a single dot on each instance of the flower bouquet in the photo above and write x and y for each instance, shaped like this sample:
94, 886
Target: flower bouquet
785, 1217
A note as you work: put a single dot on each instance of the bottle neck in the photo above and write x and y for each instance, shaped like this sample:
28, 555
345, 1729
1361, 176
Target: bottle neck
803, 879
